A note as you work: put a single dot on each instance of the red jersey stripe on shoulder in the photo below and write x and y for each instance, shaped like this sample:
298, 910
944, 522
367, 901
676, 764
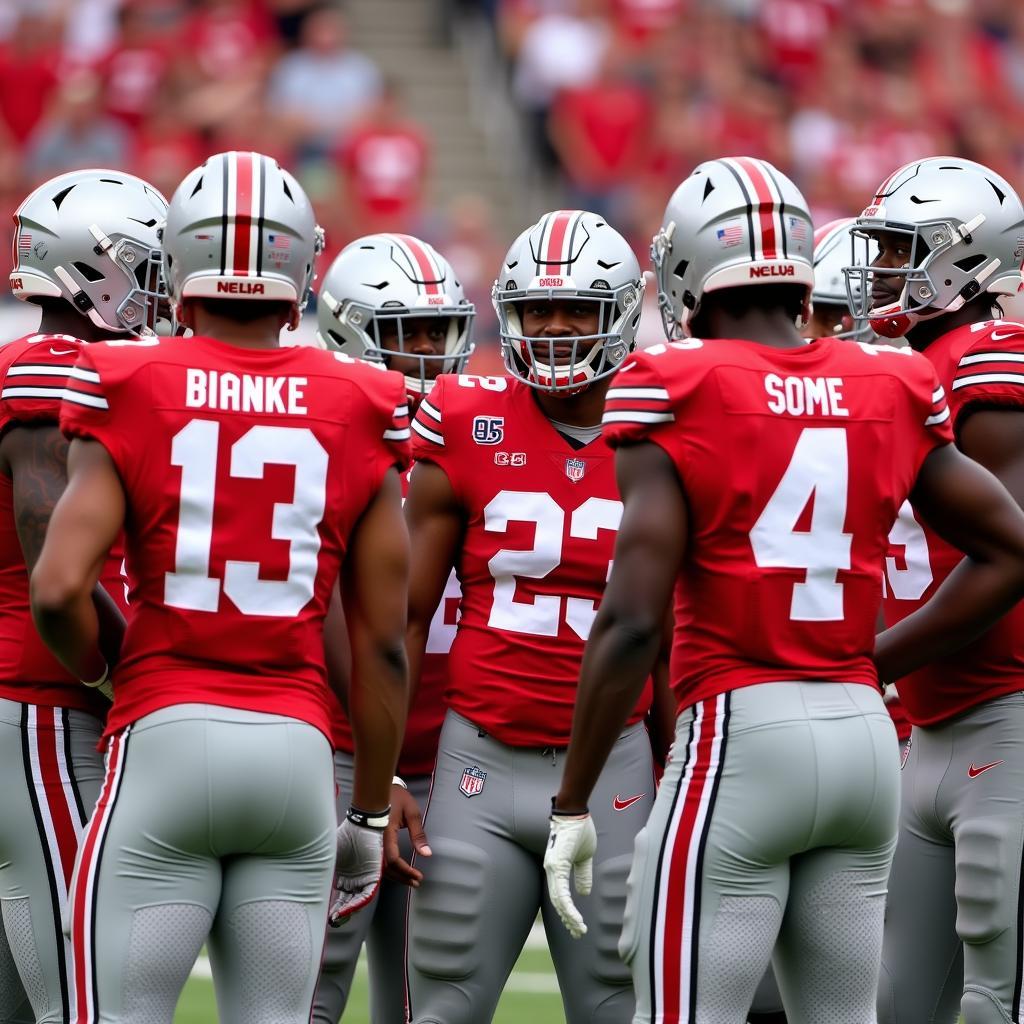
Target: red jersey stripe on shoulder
399, 429
429, 410
979, 379
427, 434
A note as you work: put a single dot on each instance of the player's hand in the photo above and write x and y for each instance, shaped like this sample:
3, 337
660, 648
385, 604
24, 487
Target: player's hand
359, 863
571, 846
890, 693
405, 813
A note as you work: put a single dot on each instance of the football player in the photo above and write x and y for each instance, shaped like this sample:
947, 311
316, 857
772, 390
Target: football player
831, 312
748, 461
951, 238
246, 477
87, 254
393, 300
513, 485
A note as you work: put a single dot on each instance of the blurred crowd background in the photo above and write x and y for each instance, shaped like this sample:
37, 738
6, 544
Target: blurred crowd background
601, 104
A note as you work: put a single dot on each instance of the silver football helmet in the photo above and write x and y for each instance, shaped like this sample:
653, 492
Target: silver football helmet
836, 245
91, 237
569, 253
387, 280
240, 227
734, 222
965, 229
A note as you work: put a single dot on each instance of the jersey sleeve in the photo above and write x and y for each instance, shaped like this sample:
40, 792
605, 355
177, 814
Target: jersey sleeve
429, 428
932, 411
396, 433
35, 380
86, 409
990, 373
637, 404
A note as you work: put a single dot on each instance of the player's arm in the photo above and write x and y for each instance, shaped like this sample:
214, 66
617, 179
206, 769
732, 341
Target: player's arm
35, 458
337, 651
435, 529
627, 632
436, 524
623, 645
664, 707
374, 591
84, 523
970, 509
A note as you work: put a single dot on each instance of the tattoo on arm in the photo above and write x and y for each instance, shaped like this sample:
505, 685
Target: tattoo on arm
37, 457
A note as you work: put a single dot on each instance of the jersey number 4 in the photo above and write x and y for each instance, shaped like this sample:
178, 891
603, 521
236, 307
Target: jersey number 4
194, 449
818, 471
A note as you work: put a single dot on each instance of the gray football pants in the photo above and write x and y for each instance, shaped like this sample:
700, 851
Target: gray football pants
953, 936
773, 828
767, 998
213, 825
51, 775
381, 926
488, 826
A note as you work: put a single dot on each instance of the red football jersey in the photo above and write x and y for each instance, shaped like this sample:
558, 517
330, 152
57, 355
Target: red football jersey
34, 371
794, 463
541, 518
245, 471
981, 366
426, 715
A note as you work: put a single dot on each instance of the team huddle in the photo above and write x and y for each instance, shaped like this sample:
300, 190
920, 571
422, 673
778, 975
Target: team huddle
612, 617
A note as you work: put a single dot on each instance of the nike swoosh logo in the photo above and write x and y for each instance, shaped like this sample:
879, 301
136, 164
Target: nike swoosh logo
1002, 336
973, 771
62, 351
620, 805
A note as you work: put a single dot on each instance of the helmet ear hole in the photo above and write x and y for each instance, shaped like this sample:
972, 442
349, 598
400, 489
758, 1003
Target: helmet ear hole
89, 272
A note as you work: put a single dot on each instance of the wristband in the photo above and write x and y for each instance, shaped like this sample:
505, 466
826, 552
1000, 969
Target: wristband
398, 781
104, 676
369, 819
556, 813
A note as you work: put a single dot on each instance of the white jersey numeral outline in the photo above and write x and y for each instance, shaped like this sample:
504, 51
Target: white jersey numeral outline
194, 449
908, 584
542, 616
818, 469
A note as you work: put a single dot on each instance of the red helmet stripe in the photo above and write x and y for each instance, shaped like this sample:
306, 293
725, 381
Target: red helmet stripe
243, 212
766, 206
428, 272
833, 225
556, 241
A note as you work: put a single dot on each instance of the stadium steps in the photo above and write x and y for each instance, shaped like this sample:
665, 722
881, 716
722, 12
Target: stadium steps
449, 87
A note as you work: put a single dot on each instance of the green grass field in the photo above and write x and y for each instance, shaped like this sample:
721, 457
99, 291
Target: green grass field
531, 995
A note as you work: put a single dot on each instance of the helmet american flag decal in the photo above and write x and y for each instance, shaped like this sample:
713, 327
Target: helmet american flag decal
765, 207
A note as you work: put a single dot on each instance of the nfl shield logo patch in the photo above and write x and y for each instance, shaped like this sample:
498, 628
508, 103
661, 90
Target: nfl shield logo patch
574, 469
472, 781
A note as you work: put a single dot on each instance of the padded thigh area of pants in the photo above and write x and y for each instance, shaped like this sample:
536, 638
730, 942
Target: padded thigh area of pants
987, 853
447, 926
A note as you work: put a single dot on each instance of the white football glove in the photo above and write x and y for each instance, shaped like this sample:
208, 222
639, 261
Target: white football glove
571, 846
359, 864
890, 693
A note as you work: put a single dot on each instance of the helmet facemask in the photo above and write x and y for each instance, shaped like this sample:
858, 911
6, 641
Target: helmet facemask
569, 363
371, 327
940, 276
